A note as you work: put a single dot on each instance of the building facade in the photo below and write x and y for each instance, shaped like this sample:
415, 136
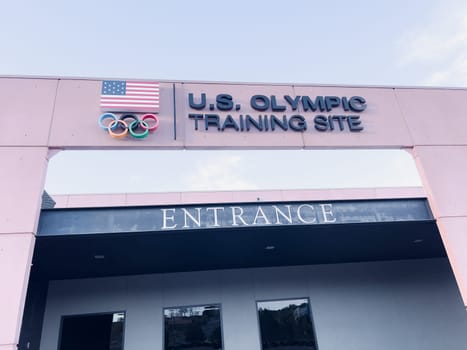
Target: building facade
367, 272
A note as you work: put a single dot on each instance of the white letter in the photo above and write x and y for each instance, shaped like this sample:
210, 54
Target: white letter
278, 211
327, 209
165, 218
299, 214
187, 214
215, 209
239, 216
262, 216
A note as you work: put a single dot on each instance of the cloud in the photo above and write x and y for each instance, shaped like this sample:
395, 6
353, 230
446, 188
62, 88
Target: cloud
454, 74
439, 46
436, 42
218, 174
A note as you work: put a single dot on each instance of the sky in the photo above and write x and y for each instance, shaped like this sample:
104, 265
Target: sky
396, 43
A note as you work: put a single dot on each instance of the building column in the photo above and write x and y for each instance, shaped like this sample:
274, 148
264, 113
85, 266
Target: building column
444, 174
22, 179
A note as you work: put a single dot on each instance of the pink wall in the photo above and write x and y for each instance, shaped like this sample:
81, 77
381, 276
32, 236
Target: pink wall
22, 179
44, 114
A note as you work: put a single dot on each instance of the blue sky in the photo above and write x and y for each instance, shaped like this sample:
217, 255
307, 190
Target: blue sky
384, 42
415, 43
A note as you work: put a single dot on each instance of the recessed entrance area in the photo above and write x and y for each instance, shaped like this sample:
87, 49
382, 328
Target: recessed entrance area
96, 265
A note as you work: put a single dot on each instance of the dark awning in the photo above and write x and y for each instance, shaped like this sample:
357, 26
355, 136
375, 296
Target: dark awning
92, 242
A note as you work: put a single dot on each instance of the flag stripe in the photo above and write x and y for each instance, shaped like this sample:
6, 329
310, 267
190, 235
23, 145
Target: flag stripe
130, 91
149, 86
141, 83
128, 103
122, 108
117, 97
139, 94
139, 88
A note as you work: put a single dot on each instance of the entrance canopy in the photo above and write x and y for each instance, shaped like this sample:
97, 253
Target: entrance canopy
95, 242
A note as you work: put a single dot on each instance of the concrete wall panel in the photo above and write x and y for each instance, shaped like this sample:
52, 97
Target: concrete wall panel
454, 234
26, 111
434, 116
22, 178
443, 170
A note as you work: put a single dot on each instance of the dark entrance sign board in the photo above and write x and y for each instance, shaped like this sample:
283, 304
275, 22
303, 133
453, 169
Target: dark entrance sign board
224, 216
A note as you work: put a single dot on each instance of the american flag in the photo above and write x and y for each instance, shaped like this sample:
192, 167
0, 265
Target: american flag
129, 96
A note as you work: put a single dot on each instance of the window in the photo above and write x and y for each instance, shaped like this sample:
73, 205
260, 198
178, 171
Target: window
286, 325
92, 332
192, 327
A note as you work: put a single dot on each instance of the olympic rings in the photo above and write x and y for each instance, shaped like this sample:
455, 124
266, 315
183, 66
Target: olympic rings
128, 124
